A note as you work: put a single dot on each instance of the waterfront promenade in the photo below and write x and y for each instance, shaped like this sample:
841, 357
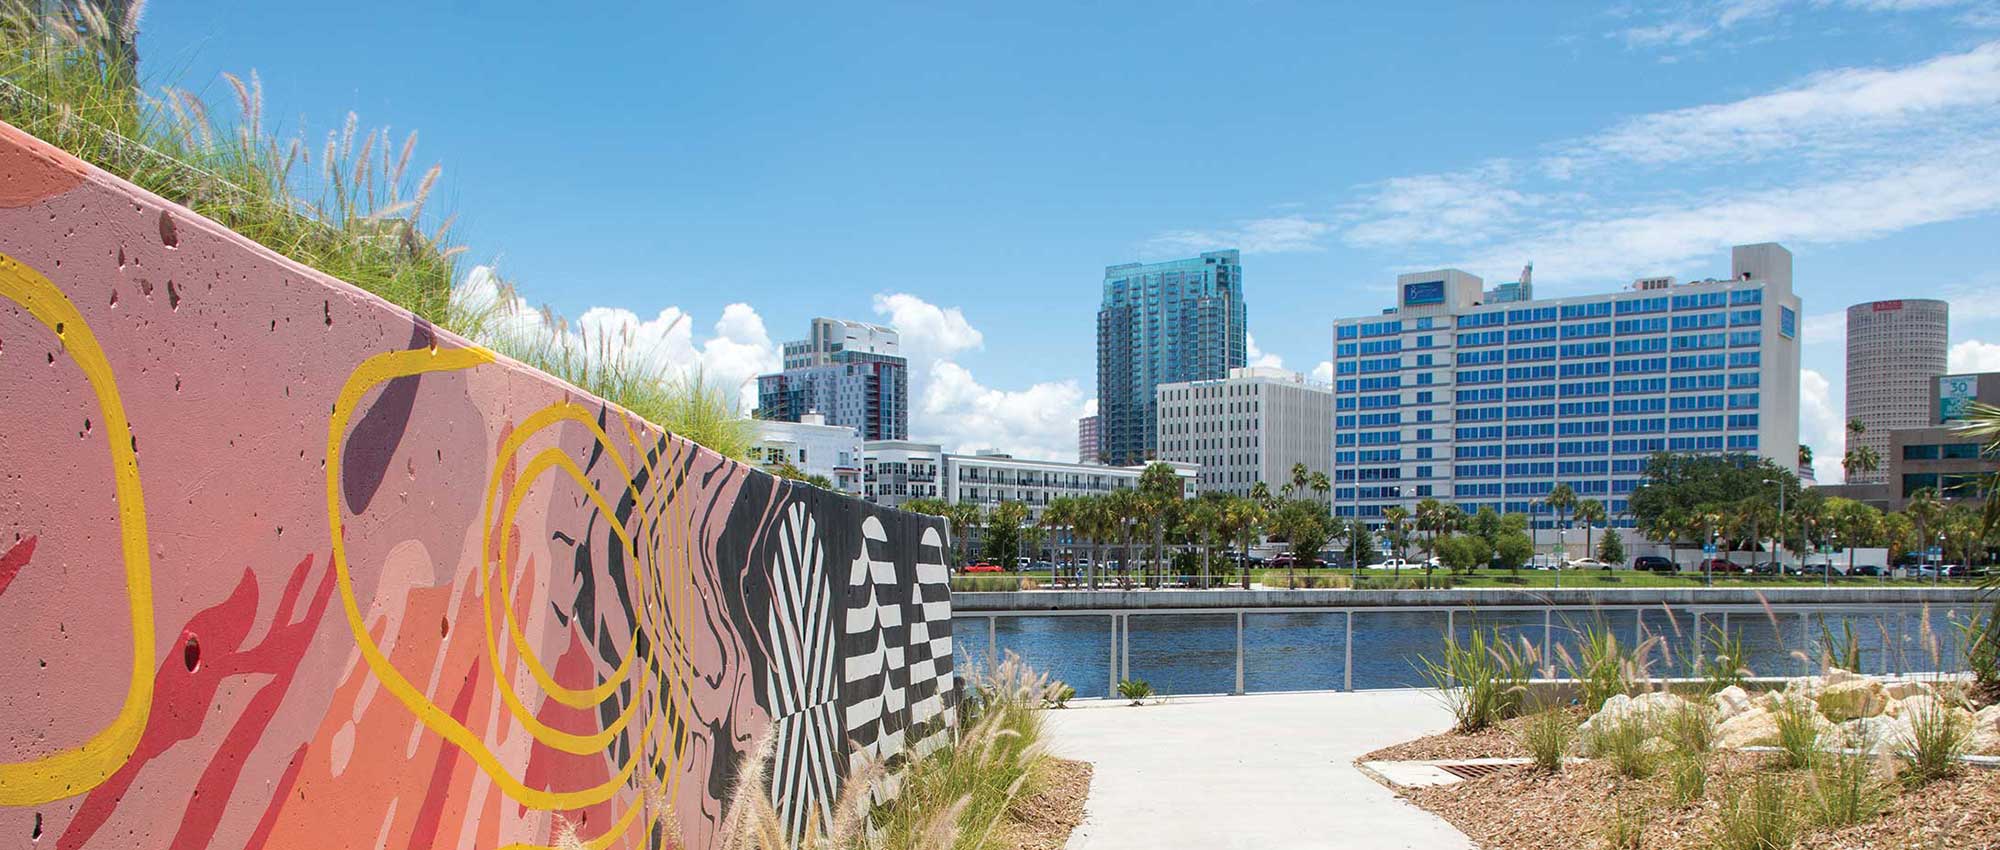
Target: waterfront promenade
1270, 772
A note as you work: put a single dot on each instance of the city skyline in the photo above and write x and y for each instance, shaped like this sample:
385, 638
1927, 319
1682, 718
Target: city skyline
1605, 147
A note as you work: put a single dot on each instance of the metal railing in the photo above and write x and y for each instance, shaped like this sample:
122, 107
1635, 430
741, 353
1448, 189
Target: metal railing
1195, 650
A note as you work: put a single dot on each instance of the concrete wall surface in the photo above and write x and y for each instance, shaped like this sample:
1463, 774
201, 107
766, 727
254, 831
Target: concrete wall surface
281, 565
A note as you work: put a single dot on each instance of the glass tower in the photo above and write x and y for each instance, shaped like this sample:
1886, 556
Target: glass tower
1181, 320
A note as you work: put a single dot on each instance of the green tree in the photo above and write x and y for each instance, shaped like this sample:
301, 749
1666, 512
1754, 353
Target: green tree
1610, 548
1360, 543
1003, 532
1161, 494
1092, 519
1396, 529
1859, 459
1515, 549
1589, 512
1241, 518
1485, 524
962, 517
1305, 525
1464, 552
1204, 520
1857, 523
1127, 510
1058, 516
1690, 484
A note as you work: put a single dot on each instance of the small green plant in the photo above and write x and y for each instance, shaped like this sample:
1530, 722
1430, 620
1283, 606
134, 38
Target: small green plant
1136, 690
1622, 743
1480, 680
1547, 737
1690, 728
1058, 695
1842, 650
1979, 634
1757, 817
1601, 668
1938, 736
1798, 731
1687, 773
1844, 788
1625, 829
1722, 665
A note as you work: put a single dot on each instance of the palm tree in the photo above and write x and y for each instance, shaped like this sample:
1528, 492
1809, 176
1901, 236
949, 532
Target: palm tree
1321, 485
1805, 456
1589, 511
961, 516
1241, 519
1561, 500
1396, 524
1261, 492
1204, 518
1126, 510
1859, 459
1925, 510
1161, 491
1059, 514
1430, 517
1092, 520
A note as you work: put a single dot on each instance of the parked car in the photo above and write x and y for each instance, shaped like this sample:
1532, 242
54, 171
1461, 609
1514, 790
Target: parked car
1288, 560
1719, 565
1867, 570
1588, 564
1655, 564
982, 567
1950, 570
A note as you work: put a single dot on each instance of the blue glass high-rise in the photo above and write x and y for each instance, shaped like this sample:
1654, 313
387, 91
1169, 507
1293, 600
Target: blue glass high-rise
1181, 320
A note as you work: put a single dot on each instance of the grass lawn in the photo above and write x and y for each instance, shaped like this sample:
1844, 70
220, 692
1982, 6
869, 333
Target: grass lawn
1603, 578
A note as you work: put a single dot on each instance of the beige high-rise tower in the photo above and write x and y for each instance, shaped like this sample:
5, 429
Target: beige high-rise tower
1895, 351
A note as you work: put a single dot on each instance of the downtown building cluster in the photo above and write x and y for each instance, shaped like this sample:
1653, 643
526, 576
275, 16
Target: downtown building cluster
1481, 397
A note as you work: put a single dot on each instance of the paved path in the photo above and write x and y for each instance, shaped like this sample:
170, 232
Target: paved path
1270, 772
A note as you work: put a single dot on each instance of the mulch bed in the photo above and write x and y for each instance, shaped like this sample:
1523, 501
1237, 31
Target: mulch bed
1501, 740
1044, 820
1521, 809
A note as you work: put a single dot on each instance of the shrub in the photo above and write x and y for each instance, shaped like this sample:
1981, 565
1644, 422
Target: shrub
1798, 731
1938, 736
1136, 690
1979, 634
1844, 788
1547, 737
1756, 818
1479, 681
1059, 695
1841, 650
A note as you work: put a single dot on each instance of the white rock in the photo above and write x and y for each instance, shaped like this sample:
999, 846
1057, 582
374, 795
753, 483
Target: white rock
1729, 702
1904, 689
1835, 676
1852, 698
1875, 734
1752, 728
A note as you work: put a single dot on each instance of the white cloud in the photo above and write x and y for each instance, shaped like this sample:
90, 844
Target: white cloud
1685, 25
1974, 356
1822, 426
1456, 208
1259, 357
950, 406
737, 349
1825, 329
1323, 373
928, 332
1275, 235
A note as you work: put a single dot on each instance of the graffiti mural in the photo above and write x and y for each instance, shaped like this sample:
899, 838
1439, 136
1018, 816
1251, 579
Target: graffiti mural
281, 566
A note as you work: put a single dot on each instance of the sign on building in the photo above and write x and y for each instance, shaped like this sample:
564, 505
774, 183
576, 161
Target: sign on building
1956, 393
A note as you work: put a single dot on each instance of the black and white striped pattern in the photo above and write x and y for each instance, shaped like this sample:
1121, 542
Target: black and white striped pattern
805, 771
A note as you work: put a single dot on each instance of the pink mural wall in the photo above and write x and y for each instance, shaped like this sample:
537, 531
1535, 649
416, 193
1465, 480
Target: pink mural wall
281, 565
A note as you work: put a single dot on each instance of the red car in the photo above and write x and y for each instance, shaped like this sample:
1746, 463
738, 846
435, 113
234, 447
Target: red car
1719, 565
983, 567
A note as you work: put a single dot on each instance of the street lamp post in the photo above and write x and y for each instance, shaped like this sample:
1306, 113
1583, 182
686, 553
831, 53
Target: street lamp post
1562, 554
1937, 574
1826, 572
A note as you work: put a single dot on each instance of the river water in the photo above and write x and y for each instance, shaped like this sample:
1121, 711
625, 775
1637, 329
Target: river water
1195, 653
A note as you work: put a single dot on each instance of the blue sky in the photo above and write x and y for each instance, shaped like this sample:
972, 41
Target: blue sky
717, 176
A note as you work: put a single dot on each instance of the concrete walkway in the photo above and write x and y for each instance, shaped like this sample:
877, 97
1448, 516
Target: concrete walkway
1271, 772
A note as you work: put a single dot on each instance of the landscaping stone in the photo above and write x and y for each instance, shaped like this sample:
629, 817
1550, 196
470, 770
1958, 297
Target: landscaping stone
1757, 727
1729, 702
1852, 698
1836, 676
1874, 734
1904, 689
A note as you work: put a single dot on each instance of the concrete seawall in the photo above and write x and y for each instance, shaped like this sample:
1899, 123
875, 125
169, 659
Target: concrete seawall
1078, 600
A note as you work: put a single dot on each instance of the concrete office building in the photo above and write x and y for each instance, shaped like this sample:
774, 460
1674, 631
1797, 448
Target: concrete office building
813, 446
1159, 323
1087, 450
1488, 405
852, 373
1251, 426
1937, 456
1895, 352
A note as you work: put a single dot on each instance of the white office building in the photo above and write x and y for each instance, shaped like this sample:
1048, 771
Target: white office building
1491, 405
896, 471
1251, 426
813, 446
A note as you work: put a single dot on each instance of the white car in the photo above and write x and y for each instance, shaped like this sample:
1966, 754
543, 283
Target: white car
1400, 564
1588, 564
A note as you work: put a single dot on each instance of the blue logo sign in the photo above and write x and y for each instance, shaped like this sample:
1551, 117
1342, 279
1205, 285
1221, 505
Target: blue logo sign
1708, 549
1425, 292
